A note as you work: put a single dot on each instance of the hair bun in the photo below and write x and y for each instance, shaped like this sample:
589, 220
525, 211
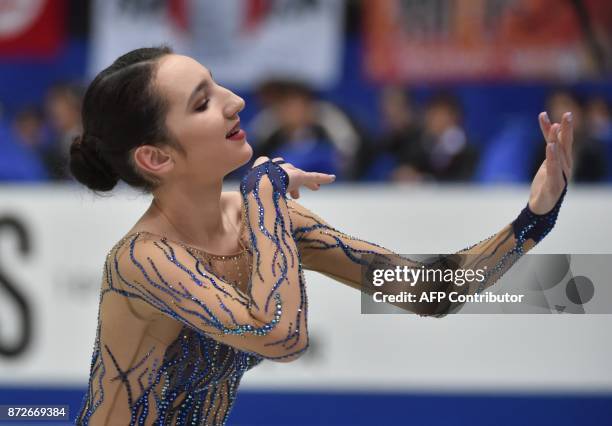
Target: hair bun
88, 166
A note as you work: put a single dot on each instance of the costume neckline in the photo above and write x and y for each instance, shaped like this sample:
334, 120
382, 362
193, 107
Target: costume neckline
190, 247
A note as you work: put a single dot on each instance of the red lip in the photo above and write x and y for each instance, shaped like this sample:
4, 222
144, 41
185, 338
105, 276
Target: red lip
233, 131
238, 136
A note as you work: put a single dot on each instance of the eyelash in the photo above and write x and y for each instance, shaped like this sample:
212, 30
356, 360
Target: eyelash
203, 106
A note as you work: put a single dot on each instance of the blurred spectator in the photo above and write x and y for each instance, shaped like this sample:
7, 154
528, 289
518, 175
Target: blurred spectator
590, 163
441, 152
22, 146
599, 120
599, 127
401, 133
310, 133
63, 108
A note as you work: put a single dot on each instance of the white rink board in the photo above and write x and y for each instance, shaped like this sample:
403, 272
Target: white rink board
71, 231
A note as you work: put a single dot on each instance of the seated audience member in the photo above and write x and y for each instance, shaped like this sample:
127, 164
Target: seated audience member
63, 109
599, 126
401, 132
442, 151
22, 148
307, 132
590, 163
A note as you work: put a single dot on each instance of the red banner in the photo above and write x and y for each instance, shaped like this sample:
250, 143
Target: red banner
31, 27
411, 41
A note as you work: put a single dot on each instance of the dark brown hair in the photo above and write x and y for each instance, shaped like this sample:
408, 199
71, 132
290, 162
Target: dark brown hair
121, 111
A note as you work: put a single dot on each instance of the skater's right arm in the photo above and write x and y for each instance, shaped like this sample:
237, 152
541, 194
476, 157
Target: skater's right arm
269, 318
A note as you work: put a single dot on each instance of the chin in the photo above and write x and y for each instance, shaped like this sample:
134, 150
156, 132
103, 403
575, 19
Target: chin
248, 153
243, 156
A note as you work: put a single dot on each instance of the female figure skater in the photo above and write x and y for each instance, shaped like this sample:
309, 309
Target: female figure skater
207, 284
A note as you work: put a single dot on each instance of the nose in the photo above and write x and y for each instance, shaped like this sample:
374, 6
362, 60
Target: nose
234, 105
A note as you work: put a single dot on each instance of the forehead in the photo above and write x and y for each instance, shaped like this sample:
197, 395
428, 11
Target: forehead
178, 75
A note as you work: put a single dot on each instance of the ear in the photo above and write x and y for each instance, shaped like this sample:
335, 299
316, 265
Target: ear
153, 160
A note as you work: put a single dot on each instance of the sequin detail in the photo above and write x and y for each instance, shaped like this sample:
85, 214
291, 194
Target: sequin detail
529, 225
194, 379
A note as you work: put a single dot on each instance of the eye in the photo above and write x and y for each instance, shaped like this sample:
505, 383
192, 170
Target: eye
203, 106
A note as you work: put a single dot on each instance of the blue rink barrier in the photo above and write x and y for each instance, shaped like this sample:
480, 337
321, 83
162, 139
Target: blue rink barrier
376, 409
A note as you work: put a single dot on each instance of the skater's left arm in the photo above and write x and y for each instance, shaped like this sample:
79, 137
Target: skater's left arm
327, 250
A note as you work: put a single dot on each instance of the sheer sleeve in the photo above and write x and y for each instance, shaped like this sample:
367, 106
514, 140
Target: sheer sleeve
331, 252
269, 317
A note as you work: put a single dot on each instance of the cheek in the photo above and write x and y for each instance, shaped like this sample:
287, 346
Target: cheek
196, 133
198, 128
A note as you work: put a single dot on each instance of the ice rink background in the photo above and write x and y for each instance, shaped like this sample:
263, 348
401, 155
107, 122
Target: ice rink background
360, 369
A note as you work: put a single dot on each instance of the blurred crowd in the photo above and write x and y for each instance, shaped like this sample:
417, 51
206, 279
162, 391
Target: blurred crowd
592, 135
34, 145
416, 142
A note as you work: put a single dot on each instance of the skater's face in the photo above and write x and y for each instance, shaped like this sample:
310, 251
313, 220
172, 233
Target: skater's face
202, 117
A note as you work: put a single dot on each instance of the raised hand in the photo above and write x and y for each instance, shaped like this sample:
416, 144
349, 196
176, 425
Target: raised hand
549, 182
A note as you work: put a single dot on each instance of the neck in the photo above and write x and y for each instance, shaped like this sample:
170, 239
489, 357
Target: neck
193, 215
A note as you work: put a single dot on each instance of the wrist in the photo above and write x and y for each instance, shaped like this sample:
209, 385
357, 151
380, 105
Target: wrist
530, 225
277, 176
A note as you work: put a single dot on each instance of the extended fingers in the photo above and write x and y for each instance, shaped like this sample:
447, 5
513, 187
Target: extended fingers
554, 157
561, 134
564, 159
553, 133
321, 178
545, 125
559, 151
314, 180
550, 131
566, 137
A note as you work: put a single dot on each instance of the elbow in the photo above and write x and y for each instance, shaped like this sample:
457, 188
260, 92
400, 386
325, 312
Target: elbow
442, 311
288, 356
439, 316
286, 350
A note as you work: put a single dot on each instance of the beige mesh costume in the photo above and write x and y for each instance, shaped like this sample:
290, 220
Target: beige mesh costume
178, 327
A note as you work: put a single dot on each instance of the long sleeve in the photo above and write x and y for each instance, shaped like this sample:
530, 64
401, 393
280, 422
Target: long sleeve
342, 257
269, 318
